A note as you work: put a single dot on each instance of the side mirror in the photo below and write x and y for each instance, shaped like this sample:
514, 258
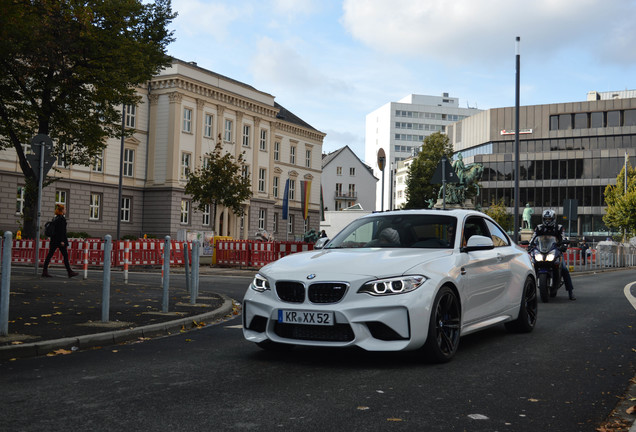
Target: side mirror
321, 242
478, 242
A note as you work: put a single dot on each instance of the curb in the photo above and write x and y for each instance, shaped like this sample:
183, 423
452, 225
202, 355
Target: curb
35, 349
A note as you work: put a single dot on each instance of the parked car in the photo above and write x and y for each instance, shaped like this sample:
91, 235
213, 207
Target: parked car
400, 280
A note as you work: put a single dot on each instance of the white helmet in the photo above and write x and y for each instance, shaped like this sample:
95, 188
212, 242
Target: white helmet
549, 218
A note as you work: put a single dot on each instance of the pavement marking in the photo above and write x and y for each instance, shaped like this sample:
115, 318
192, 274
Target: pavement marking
240, 326
628, 294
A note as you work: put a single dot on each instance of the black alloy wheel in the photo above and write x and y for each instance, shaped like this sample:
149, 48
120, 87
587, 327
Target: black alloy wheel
528, 310
444, 327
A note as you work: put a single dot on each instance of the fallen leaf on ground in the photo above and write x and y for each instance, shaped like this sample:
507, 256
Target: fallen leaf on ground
631, 409
393, 419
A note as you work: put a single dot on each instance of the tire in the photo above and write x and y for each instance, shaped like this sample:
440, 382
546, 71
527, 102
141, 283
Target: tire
527, 318
543, 287
444, 327
269, 345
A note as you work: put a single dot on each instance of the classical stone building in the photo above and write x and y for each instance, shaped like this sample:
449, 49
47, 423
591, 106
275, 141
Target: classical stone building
184, 111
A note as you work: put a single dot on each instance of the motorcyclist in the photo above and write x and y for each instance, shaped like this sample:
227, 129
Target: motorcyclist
550, 227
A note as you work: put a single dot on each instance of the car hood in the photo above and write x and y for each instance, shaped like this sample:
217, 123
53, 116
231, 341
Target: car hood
331, 263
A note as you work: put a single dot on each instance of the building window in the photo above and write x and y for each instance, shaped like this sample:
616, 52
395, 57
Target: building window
290, 224
339, 171
275, 223
19, 203
206, 162
131, 114
185, 212
60, 197
276, 150
308, 158
292, 189
246, 135
262, 172
185, 166
125, 209
227, 133
98, 163
207, 126
261, 219
613, 118
352, 172
206, 215
292, 155
597, 119
263, 140
276, 181
61, 157
94, 212
187, 120
129, 162
245, 171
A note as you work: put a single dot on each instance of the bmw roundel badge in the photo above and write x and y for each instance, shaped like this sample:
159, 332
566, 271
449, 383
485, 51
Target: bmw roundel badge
311, 276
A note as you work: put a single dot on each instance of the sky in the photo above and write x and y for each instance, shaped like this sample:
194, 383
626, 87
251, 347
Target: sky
332, 62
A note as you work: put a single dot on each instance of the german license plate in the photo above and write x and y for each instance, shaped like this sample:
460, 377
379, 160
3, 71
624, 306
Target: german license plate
305, 317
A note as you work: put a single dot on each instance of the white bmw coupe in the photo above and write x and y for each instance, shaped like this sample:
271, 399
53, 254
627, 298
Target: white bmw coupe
399, 280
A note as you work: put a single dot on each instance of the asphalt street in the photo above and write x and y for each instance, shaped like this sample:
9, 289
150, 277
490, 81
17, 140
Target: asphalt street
567, 375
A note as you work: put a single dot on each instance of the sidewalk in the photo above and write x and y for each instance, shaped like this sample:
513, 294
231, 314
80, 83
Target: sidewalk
49, 316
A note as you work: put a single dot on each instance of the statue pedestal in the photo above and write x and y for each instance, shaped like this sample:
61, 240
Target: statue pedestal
525, 234
467, 204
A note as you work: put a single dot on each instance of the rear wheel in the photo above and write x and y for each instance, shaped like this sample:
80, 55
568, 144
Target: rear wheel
527, 318
443, 330
543, 287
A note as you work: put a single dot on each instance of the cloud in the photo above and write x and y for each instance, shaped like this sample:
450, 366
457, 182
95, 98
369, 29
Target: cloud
281, 65
203, 18
483, 31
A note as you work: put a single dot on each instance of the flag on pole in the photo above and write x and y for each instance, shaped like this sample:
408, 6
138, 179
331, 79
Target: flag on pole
305, 192
286, 200
322, 206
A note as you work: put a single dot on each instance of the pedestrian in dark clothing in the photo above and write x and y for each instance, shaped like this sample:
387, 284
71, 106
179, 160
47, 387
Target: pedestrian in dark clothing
584, 247
58, 241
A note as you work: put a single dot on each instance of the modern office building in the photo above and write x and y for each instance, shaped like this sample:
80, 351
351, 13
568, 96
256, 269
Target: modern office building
184, 111
568, 151
398, 128
347, 181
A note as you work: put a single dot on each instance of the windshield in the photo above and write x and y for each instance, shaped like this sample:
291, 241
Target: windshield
398, 231
545, 242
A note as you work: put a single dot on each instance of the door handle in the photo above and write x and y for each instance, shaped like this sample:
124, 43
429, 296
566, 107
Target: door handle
463, 271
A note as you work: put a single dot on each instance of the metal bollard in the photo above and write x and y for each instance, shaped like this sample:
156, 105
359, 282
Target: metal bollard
166, 275
126, 259
106, 285
186, 264
195, 272
85, 259
6, 283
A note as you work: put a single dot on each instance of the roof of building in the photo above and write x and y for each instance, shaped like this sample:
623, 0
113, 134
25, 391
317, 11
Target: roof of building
328, 157
285, 114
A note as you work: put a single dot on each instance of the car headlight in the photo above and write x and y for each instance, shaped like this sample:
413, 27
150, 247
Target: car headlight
260, 283
551, 256
394, 285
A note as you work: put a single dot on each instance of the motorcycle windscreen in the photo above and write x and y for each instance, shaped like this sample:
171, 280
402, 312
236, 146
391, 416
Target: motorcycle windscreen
546, 243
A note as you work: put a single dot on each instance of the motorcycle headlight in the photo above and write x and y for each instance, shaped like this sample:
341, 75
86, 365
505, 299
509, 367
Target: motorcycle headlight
538, 256
260, 283
551, 256
394, 285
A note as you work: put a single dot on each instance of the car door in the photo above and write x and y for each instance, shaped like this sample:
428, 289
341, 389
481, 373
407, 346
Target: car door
486, 274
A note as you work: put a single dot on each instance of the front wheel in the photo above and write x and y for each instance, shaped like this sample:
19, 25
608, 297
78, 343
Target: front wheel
543, 287
527, 317
443, 329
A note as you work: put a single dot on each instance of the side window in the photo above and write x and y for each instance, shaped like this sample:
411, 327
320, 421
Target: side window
499, 238
473, 226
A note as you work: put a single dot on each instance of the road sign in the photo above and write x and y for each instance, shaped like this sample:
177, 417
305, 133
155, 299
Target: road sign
381, 159
444, 172
34, 159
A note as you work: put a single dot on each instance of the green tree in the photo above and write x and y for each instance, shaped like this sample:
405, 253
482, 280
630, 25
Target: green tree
220, 181
498, 212
66, 68
419, 189
621, 206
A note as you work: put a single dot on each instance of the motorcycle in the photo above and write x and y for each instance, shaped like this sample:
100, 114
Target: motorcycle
547, 254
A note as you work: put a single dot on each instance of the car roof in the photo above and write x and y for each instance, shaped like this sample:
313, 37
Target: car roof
458, 213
